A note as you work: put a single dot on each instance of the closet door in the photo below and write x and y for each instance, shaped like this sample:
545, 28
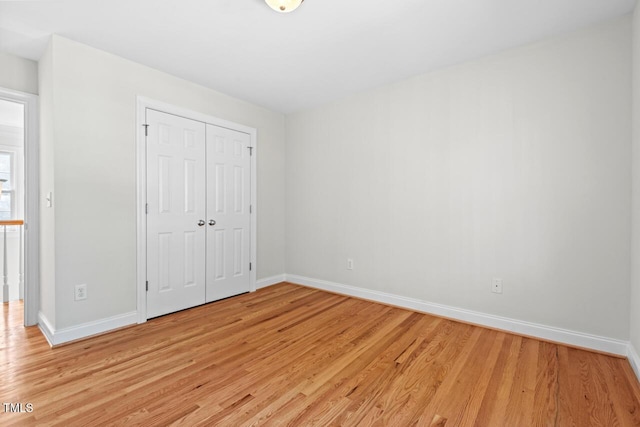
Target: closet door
228, 215
176, 210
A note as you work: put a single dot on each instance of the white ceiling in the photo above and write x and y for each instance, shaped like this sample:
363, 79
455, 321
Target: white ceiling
325, 50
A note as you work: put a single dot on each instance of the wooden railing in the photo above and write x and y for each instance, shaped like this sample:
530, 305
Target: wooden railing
5, 270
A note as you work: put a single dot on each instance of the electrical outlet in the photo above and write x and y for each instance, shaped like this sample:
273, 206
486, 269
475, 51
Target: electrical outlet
80, 292
349, 264
496, 286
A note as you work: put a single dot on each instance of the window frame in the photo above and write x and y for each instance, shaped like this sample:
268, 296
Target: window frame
17, 179
12, 179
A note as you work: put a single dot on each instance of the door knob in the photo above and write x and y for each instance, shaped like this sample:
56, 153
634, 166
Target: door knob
201, 222
212, 222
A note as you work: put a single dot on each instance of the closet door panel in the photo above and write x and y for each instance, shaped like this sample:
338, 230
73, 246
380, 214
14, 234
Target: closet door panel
176, 200
228, 207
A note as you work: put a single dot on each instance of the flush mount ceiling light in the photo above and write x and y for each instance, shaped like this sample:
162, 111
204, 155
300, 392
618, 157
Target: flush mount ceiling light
284, 6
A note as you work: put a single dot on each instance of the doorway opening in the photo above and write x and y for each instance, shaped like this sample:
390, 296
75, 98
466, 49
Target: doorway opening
19, 204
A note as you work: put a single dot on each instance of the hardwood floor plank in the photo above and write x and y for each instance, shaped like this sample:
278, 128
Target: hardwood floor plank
628, 407
410, 386
495, 398
603, 412
571, 411
361, 372
487, 359
506, 377
362, 382
442, 397
519, 410
545, 400
290, 355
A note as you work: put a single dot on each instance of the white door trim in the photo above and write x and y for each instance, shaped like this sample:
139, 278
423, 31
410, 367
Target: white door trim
141, 172
32, 202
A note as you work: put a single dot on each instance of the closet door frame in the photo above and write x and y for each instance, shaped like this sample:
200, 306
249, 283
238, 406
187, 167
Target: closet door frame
142, 103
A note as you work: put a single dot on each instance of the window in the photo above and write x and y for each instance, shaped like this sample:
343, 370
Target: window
8, 196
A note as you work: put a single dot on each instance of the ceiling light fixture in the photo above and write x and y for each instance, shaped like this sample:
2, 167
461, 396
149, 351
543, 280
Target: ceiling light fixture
284, 6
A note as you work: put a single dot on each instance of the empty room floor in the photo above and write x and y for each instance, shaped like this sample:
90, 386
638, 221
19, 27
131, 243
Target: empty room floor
291, 355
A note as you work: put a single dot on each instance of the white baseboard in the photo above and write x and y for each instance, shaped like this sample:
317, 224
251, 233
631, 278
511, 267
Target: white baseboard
45, 327
270, 281
572, 338
634, 359
578, 339
64, 335
61, 336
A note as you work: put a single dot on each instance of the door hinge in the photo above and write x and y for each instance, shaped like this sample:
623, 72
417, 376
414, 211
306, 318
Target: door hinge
249, 266
250, 209
146, 130
147, 286
146, 208
250, 151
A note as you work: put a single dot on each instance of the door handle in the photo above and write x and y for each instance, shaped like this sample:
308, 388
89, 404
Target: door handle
201, 222
212, 222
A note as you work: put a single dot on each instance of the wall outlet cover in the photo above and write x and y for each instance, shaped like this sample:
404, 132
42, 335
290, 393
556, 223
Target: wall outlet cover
80, 292
496, 286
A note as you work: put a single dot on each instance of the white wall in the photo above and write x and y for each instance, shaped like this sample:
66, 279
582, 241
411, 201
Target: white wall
93, 112
18, 73
513, 166
635, 263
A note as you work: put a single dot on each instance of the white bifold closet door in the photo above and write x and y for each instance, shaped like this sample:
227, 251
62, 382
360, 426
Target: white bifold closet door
198, 219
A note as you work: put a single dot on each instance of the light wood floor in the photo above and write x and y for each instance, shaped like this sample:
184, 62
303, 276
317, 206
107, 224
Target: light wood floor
297, 356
